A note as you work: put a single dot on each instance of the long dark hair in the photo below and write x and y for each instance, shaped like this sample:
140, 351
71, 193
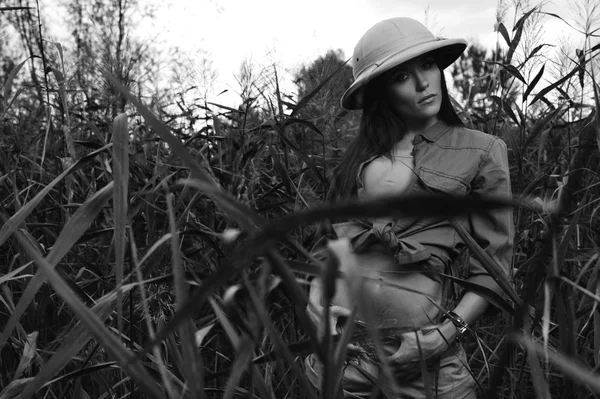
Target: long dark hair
380, 129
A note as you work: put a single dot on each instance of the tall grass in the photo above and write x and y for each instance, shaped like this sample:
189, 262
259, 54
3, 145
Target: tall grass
173, 263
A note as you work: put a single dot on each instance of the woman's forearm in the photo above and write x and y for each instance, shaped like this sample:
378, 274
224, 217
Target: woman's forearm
470, 308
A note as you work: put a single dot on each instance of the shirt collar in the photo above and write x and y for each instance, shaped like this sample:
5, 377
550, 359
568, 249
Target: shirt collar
436, 131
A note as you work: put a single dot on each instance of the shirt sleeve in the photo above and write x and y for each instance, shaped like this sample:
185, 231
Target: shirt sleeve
493, 230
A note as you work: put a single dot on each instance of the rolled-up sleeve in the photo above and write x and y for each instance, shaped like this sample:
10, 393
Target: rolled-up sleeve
493, 230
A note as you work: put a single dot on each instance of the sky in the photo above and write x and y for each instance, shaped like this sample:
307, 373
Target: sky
292, 33
289, 34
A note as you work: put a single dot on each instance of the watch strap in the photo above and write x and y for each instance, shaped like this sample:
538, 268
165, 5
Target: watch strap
459, 322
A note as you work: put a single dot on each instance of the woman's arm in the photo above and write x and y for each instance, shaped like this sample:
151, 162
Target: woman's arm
493, 231
470, 308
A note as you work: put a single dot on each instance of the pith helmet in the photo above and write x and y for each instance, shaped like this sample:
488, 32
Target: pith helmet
390, 43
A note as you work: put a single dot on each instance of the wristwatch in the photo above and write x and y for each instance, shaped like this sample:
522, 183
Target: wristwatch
460, 324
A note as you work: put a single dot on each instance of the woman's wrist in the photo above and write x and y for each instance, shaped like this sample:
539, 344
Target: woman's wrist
449, 331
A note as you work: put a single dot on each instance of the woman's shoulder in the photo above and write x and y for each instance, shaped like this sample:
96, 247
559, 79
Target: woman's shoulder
472, 138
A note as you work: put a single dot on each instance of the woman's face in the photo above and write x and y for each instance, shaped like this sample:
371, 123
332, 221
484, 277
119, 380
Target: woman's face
415, 90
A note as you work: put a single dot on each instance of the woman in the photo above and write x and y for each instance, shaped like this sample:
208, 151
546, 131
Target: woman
411, 141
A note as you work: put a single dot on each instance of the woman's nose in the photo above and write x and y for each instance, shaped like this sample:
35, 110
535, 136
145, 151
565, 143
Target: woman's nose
422, 82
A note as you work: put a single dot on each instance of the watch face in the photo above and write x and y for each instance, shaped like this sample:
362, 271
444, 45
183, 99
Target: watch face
460, 324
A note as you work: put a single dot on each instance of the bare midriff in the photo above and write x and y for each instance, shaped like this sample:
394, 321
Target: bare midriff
388, 297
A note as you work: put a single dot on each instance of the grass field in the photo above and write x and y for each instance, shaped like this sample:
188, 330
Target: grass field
146, 257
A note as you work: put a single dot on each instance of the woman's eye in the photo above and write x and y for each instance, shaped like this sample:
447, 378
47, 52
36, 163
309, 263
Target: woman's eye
428, 64
401, 77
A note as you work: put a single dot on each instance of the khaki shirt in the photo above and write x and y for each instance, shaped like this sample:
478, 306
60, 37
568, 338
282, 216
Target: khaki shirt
456, 161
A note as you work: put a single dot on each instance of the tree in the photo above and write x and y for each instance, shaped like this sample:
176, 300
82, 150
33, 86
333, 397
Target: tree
474, 75
26, 23
104, 36
324, 109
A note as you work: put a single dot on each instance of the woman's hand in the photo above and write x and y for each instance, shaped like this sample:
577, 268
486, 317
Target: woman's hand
405, 362
430, 344
316, 311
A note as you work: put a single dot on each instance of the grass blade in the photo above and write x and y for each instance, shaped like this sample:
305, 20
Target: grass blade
513, 71
597, 332
488, 263
568, 366
517, 36
70, 234
285, 177
121, 178
559, 82
9, 81
302, 122
244, 215
83, 372
14, 389
93, 324
533, 52
540, 385
15, 8
535, 80
12, 224
423, 205
506, 106
164, 373
548, 119
28, 354
206, 182
300, 153
597, 101
163, 131
192, 370
76, 339
235, 340
243, 356
14, 275
571, 26
280, 345
502, 29
60, 81
259, 243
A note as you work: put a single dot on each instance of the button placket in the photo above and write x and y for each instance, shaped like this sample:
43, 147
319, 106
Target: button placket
418, 143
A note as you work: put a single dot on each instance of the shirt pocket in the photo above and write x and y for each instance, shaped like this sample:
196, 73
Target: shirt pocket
443, 182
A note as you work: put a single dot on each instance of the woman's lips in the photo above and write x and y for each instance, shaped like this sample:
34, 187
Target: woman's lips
427, 99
